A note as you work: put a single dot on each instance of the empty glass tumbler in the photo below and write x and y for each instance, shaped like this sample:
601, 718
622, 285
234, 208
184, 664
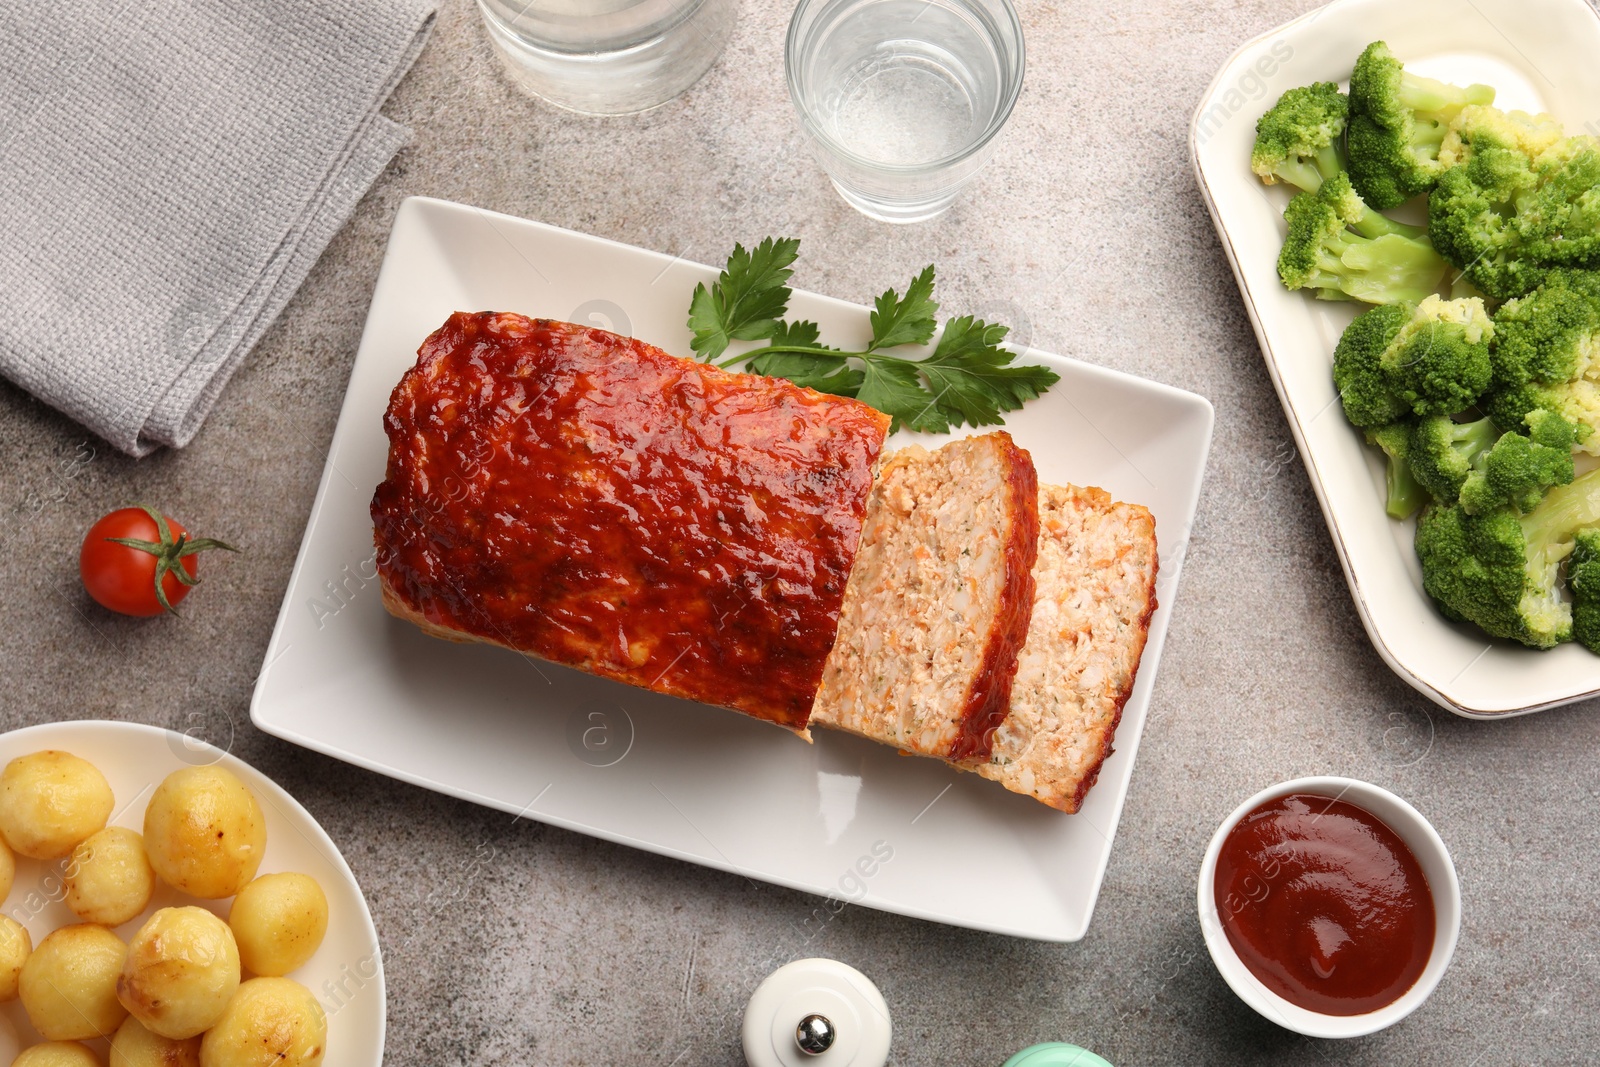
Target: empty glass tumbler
903, 99
608, 57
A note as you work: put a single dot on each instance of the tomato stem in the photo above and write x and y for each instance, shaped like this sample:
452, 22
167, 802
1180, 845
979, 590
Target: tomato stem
169, 552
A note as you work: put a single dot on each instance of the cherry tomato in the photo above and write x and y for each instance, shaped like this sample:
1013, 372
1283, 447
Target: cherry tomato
139, 562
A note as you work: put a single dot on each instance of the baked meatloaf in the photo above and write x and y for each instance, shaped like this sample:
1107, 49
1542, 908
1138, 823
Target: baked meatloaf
1096, 589
938, 605
593, 501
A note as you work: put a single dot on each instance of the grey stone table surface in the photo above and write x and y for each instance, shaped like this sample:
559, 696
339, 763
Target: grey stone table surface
1089, 234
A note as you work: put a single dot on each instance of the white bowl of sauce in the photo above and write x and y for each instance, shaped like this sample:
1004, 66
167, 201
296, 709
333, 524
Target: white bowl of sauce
1329, 905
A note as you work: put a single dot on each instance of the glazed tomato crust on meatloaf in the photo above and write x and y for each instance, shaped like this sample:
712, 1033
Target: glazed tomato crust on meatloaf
594, 501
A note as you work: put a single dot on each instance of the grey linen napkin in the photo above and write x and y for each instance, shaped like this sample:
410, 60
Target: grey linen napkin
169, 172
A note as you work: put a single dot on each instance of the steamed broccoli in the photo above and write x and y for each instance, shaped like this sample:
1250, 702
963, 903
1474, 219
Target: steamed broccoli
1583, 582
1546, 355
1405, 495
1300, 141
1442, 452
1507, 220
1382, 89
1477, 466
1346, 251
1398, 121
1517, 469
1482, 126
1503, 571
1389, 167
1428, 359
1358, 367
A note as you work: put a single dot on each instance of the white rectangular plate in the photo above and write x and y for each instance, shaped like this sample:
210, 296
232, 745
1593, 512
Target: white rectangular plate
1539, 56
699, 783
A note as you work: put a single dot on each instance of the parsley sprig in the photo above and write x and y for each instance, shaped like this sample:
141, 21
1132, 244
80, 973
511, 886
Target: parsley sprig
968, 379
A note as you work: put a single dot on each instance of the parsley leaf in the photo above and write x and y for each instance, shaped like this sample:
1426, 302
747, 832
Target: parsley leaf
824, 373
892, 386
747, 299
813, 368
969, 379
907, 321
803, 334
972, 375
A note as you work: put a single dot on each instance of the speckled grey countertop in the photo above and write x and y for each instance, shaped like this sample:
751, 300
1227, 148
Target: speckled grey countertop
1088, 234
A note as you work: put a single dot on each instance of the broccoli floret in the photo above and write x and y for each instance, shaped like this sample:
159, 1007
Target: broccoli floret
1430, 358
1481, 125
1507, 220
1443, 450
1516, 470
1398, 123
1583, 582
1358, 367
1300, 141
1389, 167
1477, 466
1381, 88
1404, 494
1546, 356
1344, 250
1503, 571
1439, 361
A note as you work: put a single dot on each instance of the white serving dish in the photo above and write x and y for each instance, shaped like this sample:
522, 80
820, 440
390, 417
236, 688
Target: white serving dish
345, 974
1540, 56
1432, 856
699, 783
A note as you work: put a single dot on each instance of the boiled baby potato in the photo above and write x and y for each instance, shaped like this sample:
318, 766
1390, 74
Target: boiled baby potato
49, 801
204, 832
279, 920
109, 878
15, 944
8, 869
57, 1054
270, 1022
69, 984
182, 967
134, 1046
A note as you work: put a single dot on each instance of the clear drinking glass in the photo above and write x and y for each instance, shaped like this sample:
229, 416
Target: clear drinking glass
608, 57
903, 98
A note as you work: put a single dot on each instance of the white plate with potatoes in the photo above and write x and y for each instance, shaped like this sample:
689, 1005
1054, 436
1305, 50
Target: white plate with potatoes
180, 909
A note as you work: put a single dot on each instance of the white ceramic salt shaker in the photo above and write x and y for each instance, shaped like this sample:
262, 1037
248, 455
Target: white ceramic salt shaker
816, 1013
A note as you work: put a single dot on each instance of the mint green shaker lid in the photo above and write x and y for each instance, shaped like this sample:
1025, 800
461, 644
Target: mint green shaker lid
1055, 1054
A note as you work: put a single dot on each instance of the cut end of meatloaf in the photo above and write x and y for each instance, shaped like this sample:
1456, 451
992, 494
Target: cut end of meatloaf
1096, 589
937, 607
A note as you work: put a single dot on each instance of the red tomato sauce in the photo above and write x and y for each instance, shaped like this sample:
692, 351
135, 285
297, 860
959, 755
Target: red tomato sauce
1324, 904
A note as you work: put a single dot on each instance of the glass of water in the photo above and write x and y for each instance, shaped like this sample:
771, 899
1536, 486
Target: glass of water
903, 98
608, 57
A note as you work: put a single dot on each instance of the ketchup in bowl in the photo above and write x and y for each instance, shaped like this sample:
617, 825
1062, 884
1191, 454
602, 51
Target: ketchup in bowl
1324, 904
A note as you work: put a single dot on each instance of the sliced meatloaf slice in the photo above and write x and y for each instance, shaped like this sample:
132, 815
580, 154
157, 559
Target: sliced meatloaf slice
1096, 589
937, 605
